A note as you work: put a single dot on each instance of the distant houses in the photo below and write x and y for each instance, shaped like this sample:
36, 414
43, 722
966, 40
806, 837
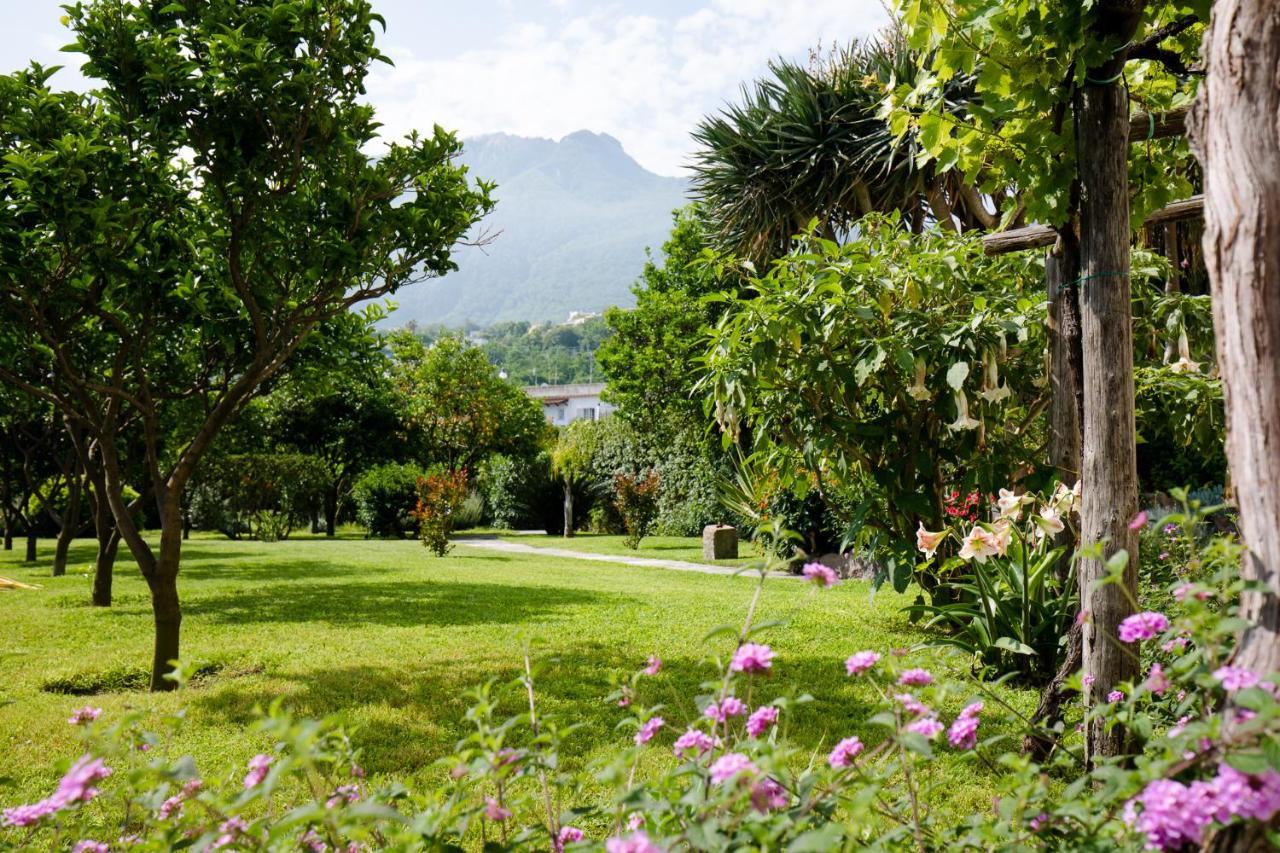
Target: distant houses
564, 404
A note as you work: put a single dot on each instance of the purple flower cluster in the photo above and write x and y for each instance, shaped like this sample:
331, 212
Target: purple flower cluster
963, 733
820, 574
1173, 815
87, 714
1143, 626
637, 842
730, 706
1235, 678
730, 765
77, 786
694, 741
929, 727
567, 835
258, 767
648, 730
915, 678
860, 662
764, 718
767, 795
844, 753
752, 657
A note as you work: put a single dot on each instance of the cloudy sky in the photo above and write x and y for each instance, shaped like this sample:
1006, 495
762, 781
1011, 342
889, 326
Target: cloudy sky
644, 71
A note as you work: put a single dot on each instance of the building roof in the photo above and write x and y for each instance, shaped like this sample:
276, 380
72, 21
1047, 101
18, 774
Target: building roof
584, 389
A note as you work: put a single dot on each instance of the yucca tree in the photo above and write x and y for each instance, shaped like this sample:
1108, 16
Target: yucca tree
807, 141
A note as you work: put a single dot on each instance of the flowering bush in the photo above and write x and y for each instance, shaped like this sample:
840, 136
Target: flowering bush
441, 493
636, 498
732, 776
1012, 595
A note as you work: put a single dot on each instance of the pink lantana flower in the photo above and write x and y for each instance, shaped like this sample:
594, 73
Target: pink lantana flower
1157, 681
820, 574
694, 741
567, 835
637, 842
1143, 626
752, 657
648, 730
1235, 678
860, 662
258, 767
1115, 696
915, 677
1139, 521
495, 811
87, 714
730, 706
927, 726
763, 719
728, 766
844, 752
653, 666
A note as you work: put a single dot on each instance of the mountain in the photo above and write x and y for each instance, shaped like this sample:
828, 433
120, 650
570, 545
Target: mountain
572, 222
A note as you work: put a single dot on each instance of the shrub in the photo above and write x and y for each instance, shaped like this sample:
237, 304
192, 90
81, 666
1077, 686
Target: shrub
385, 496
636, 498
519, 491
471, 513
261, 495
441, 494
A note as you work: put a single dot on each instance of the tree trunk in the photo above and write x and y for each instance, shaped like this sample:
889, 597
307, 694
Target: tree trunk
331, 511
1233, 128
1109, 476
8, 536
164, 593
104, 567
1066, 412
1066, 387
68, 525
31, 544
568, 510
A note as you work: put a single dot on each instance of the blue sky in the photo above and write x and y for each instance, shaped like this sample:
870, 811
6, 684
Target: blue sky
644, 71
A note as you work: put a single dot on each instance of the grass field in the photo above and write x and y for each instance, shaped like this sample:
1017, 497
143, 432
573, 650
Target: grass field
389, 639
652, 547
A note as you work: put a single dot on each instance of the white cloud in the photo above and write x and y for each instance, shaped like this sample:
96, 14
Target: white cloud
646, 80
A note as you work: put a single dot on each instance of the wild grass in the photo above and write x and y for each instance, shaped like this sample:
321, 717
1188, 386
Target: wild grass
388, 639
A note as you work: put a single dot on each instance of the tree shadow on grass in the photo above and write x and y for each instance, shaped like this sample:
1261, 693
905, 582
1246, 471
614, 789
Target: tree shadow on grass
408, 718
399, 603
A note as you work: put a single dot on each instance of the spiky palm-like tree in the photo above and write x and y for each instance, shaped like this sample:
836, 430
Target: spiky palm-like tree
807, 142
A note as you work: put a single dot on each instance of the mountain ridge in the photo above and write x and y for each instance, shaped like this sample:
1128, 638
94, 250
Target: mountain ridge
573, 220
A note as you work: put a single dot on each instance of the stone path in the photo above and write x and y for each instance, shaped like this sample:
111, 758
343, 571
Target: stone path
651, 562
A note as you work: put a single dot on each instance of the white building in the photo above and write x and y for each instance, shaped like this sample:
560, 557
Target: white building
564, 404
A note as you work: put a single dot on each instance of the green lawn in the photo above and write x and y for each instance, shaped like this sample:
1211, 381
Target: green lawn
389, 639
653, 547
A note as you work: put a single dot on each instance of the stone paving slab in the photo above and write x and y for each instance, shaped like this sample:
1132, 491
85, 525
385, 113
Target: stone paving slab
650, 562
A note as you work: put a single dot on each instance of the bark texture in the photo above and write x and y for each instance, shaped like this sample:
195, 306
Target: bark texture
1066, 399
68, 524
1110, 477
1235, 129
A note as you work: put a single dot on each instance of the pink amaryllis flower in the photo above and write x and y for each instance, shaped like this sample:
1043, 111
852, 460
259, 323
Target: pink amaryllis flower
752, 657
927, 542
980, 544
820, 575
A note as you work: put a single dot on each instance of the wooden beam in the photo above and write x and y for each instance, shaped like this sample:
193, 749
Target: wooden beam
1143, 127
1039, 236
